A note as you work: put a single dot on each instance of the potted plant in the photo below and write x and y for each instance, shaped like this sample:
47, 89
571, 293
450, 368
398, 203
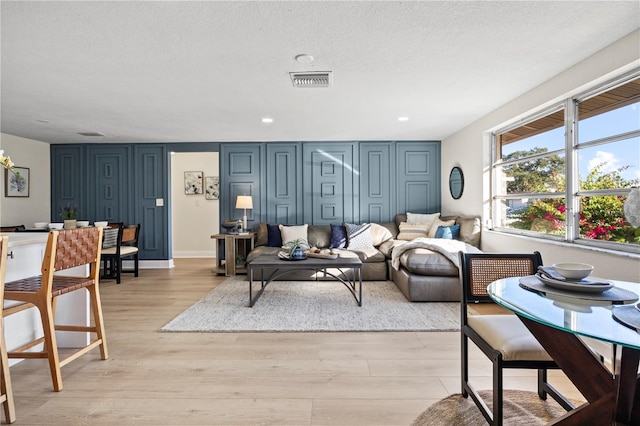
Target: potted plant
69, 215
297, 248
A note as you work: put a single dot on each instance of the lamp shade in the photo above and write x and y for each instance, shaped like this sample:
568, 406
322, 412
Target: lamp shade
244, 202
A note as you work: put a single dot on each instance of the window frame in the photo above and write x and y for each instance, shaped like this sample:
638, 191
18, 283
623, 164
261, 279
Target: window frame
571, 149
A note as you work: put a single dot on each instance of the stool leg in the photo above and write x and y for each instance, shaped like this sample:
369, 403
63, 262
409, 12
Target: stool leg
51, 345
5, 382
96, 307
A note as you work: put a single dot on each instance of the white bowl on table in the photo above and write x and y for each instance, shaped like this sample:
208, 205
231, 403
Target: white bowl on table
573, 271
101, 224
41, 225
82, 223
56, 226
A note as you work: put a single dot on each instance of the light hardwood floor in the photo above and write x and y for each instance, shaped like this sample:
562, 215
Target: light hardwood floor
154, 378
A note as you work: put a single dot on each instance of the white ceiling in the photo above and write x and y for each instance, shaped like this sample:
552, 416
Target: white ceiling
186, 71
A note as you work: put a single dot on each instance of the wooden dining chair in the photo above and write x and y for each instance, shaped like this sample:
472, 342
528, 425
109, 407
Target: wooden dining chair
118, 247
6, 392
502, 338
65, 249
110, 255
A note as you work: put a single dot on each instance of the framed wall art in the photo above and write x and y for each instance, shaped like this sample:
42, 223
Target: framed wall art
193, 183
16, 182
212, 187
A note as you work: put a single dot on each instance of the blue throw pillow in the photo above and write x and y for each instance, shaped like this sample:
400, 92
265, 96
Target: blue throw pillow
448, 232
338, 236
274, 238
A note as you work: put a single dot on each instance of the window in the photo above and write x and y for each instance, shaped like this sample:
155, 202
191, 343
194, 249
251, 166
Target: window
565, 173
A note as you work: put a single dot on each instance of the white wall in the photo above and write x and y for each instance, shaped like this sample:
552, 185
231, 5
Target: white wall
37, 207
469, 148
194, 219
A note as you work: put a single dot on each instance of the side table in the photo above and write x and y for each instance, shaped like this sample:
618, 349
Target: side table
232, 245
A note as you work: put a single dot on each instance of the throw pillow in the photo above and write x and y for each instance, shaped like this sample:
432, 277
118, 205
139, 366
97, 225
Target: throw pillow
410, 231
291, 233
448, 232
338, 236
422, 218
359, 236
274, 238
437, 223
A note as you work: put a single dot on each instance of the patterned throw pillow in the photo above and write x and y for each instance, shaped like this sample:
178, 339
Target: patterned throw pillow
410, 231
291, 233
338, 236
448, 232
437, 223
274, 239
359, 236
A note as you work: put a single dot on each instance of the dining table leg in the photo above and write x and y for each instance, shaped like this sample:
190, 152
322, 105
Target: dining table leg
600, 387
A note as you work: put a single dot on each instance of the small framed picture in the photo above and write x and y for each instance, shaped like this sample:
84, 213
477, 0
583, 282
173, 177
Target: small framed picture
212, 188
16, 182
193, 183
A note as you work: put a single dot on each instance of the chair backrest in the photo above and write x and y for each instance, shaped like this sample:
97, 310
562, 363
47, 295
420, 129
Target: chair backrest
130, 235
75, 247
112, 237
478, 270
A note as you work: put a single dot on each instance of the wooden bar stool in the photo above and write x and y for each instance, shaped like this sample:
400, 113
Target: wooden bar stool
65, 249
6, 393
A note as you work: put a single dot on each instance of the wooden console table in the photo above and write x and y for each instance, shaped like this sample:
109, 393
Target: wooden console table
230, 245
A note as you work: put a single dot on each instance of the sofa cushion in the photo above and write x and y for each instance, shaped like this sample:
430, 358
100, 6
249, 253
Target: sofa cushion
274, 238
423, 261
470, 230
448, 232
380, 234
411, 231
319, 236
261, 235
368, 255
338, 236
436, 223
291, 233
387, 247
359, 236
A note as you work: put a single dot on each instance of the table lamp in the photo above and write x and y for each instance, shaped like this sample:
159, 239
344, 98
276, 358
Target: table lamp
244, 202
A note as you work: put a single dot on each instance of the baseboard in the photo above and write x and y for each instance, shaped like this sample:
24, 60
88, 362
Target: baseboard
193, 254
149, 264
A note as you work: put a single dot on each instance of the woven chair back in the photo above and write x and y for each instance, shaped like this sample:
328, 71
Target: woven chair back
76, 247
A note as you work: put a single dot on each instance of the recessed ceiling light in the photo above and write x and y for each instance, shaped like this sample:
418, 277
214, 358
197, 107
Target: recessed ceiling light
403, 118
267, 120
304, 58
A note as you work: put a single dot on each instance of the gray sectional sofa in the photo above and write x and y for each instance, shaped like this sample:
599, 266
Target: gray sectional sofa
422, 273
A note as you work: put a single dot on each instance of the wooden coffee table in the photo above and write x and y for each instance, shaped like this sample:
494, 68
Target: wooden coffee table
280, 267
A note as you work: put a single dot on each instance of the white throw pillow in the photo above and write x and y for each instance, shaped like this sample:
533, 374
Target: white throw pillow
434, 226
291, 233
422, 218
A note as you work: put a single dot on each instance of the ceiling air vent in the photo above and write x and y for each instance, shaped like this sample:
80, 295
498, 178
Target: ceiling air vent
97, 134
311, 79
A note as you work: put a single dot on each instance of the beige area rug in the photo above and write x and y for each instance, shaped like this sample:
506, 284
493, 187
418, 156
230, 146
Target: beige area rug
521, 408
291, 306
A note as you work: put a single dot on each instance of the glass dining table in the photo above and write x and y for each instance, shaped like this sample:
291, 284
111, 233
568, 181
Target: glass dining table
613, 397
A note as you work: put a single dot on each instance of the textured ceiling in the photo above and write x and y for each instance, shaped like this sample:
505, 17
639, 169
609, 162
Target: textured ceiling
186, 71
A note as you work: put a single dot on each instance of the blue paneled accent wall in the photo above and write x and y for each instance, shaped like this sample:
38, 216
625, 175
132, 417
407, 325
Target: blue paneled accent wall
290, 182
331, 182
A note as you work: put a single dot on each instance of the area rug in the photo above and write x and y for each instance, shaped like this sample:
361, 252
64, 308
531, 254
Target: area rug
521, 408
313, 306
